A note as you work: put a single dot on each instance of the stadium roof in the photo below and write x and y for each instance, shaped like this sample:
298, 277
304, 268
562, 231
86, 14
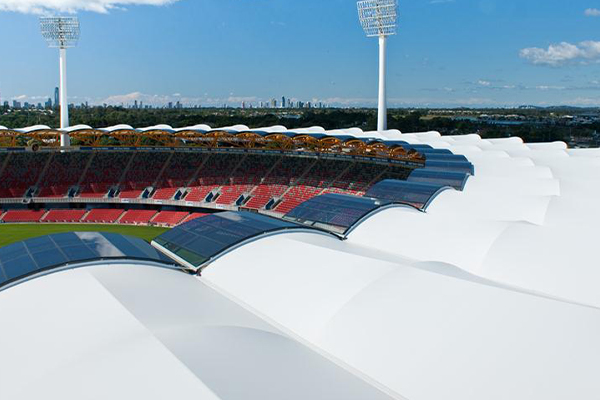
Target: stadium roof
492, 293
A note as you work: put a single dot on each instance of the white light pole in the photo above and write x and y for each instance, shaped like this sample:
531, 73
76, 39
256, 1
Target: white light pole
62, 33
378, 19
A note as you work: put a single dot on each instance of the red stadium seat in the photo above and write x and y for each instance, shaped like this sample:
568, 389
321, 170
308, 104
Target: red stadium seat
64, 216
165, 193
230, 193
103, 216
137, 217
198, 194
170, 218
23, 216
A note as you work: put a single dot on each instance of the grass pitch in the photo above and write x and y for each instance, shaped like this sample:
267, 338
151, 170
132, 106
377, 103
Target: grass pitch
11, 233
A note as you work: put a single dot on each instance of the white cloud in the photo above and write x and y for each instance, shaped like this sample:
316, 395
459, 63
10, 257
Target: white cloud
563, 53
72, 6
592, 12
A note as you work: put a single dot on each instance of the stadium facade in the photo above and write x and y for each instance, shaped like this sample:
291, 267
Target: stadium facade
413, 266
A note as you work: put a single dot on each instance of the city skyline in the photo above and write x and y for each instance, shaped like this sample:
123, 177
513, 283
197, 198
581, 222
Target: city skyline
448, 53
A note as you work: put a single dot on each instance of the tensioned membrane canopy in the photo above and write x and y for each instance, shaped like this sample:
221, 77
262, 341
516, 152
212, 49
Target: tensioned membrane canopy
20, 260
201, 240
337, 210
416, 194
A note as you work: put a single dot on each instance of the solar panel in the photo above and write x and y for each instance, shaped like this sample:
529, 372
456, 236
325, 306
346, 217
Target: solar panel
32, 256
414, 193
200, 241
456, 180
455, 166
332, 209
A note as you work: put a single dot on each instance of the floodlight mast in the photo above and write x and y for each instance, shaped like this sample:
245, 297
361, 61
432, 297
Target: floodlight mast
378, 19
62, 33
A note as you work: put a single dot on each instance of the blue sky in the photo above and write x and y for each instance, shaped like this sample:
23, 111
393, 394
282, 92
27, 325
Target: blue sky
446, 53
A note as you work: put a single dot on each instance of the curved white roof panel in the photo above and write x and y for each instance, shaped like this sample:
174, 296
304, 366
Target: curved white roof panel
76, 128
274, 129
313, 129
117, 128
405, 323
33, 128
128, 331
199, 127
163, 127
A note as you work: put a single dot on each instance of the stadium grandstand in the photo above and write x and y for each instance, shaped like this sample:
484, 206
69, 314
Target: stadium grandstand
299, 264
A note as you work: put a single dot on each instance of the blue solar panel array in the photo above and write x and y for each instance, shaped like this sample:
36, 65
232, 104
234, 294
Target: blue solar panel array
417, 194
457, 180
200, 241
20, 260
338, 210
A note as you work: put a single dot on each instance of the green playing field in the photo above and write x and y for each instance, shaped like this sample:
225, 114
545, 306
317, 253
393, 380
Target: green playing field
11, 233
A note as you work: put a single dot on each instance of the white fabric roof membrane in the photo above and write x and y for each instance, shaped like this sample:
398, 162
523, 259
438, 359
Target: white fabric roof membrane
407, 323
237, 128
201, 127
117, 128
138, 332
76, 128
275, 129
33, 128
157, 128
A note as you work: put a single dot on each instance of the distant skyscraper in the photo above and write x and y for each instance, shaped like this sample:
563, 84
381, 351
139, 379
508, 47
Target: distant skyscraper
56, 97
48, 104
283, 102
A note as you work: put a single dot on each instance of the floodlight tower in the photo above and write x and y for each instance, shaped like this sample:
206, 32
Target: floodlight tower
62, 33
378, 19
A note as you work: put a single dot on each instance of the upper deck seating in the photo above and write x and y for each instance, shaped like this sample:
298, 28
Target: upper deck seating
143, 171
165, 193
181, 169
64, 171
105, 171
22, 171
